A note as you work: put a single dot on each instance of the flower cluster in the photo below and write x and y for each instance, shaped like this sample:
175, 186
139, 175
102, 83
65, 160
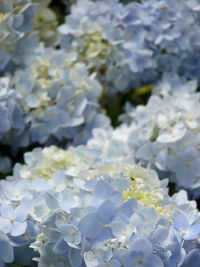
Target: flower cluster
165, 132
73, 209
15, 24
98, 33
133, 44
57, 98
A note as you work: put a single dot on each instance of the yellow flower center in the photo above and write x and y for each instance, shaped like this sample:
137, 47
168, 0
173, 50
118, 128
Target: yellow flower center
95, 50
42, 73
145, 195
53, 159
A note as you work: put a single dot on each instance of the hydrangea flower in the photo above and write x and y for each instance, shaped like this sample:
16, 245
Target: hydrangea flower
44, 163
165, 132
108, 235
12, 220
101, 39
112, 143
82, 209
130, 45
60, 102
15, 23
168, 34
45, 22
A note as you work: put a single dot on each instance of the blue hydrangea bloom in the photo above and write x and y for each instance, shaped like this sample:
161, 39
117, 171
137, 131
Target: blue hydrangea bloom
78, 207
59, 100
164, 133
97, 33
15, 23
133, 44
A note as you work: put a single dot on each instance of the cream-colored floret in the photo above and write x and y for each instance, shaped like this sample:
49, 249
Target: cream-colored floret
94, 49
53, 159
43, 73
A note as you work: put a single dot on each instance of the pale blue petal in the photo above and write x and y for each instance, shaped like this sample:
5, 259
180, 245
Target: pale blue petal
5, 225
90, 225
7, 211
192, 232
6, 250
18, 228
142, 245
106, 211
153, 261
